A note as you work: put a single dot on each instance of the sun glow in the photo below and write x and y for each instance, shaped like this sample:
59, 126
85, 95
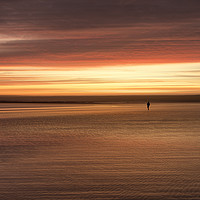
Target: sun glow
182, 78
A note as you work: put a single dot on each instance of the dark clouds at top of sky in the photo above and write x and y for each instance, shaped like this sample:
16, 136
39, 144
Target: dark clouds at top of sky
77, 14
27, 19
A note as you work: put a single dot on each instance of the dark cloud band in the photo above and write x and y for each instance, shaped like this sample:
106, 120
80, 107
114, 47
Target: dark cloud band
40, 31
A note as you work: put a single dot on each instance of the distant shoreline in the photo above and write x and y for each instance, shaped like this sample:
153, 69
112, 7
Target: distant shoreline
124, 99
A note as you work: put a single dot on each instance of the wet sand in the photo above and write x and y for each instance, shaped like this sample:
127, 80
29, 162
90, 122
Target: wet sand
118, 151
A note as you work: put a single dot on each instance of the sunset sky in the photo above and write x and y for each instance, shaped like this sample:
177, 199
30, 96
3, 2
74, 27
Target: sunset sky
98, 47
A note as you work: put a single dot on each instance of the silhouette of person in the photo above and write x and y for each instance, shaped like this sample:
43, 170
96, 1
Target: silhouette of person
148, 105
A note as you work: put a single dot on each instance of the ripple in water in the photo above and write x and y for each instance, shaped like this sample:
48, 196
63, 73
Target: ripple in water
99, 152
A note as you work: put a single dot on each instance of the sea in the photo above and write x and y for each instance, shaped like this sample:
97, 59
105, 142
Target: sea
99, 151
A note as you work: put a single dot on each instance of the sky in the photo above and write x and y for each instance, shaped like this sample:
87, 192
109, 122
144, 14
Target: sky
99, 47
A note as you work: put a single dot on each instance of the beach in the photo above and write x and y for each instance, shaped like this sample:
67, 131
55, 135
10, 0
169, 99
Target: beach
99, 151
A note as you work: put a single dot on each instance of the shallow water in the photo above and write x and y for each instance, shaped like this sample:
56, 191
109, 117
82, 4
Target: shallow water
52, 151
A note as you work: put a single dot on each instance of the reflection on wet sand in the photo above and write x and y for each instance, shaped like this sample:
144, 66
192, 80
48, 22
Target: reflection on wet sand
99, 151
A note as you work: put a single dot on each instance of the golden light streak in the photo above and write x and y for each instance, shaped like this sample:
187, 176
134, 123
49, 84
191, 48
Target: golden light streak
182, 78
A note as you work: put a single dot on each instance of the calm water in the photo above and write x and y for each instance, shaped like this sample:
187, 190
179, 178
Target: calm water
56, 152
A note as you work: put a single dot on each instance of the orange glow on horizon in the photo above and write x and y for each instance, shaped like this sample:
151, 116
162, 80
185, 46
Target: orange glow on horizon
182, 78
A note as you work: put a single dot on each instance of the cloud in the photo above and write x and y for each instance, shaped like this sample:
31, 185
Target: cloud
92, 32
78, 14
75, 51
